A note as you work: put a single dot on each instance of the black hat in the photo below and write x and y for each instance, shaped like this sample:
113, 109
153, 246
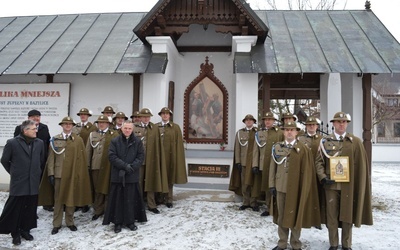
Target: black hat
34, 112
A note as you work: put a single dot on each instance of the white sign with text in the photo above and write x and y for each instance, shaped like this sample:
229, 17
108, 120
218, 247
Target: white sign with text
16, 100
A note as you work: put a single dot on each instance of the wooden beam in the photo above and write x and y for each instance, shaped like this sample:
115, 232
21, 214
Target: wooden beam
367, 116
245, 30
266, 81
242, 20
175, 30
136, 92
171, 97
161, 21
158, 31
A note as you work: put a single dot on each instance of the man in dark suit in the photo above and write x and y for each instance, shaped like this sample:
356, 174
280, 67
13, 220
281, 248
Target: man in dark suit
22, 158
42, 133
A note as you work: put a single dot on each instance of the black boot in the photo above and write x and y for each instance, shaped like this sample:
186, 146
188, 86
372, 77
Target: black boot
16, 238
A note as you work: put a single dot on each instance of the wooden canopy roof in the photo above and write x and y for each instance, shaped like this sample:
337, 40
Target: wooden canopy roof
173, 17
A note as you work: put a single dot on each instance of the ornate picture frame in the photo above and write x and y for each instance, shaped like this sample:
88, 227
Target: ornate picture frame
206, 108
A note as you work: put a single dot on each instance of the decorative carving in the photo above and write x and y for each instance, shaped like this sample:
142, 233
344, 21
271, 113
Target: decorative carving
173, 18
206, 108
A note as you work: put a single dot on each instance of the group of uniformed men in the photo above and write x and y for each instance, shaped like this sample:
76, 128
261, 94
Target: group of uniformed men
78, 171
294, 170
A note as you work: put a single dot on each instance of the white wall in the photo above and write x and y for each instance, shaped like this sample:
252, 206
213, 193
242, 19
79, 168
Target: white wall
91, 91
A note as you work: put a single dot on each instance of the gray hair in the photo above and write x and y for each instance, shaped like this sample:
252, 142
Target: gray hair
25, 124
128, 122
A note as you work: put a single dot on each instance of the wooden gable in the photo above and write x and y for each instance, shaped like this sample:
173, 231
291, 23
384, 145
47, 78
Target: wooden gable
173, 18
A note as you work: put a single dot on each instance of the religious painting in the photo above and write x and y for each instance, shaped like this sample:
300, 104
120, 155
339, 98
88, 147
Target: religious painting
339, 168
206, 102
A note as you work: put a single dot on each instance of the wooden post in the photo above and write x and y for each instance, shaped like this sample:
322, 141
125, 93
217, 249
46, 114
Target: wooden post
171, 97
367, 116
266, 92
136, 92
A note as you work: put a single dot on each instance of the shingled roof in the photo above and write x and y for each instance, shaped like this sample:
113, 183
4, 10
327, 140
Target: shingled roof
298, 42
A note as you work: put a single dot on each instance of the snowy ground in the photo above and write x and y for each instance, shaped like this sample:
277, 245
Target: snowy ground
209, 219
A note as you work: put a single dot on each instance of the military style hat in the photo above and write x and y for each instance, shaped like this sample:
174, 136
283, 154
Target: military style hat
341, 116
145, 112
290, 125
288, 115
67, 119
34, 112
165, 110
120, 115
108, 109
312, 120
269, 115
102, 118
84, 111
249, 117
135, 114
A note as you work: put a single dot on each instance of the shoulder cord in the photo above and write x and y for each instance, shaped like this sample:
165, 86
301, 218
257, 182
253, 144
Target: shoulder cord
54, 148
241, 144
321, 146
91, 141
258, 141
273, 157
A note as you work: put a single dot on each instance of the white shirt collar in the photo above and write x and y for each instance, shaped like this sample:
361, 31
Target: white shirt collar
338, 136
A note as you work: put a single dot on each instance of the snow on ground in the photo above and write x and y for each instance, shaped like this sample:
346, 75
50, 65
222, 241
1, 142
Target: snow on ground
210, 219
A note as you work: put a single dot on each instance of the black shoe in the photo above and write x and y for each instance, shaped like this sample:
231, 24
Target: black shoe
346, 248
256, 208
55, 230
117, 228
154, 210
169, 205
85, 209
243, 207
333, 248
278, 248
26, 235
265, 213
132, 227
96, 216
73, 228
16, 240
48, 208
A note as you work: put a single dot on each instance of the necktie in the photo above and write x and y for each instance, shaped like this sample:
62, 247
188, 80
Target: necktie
341, 138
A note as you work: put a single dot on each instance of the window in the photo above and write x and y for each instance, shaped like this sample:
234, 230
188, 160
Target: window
392, 102
381, 129
396, 129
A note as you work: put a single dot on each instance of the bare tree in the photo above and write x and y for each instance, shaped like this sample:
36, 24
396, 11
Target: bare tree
305, 4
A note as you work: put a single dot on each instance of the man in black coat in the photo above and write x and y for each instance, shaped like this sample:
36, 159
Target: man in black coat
42, 129
42, 133
22, 158
125, 203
